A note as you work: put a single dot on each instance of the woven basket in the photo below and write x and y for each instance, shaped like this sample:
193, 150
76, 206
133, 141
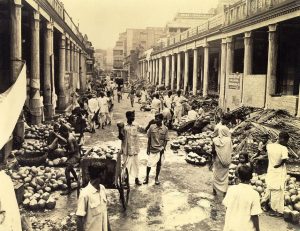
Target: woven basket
33, 154
32, 161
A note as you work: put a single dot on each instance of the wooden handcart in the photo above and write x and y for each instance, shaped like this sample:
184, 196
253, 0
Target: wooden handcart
112, 176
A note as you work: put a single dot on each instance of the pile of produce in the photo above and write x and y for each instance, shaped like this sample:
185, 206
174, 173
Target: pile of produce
41, 131
31, 153
195, 159
31, 147
56, 162
291, 197
39, 183
102, 152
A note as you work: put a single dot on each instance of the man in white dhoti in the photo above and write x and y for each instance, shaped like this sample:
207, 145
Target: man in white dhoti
130, 146
276, 174
157, 141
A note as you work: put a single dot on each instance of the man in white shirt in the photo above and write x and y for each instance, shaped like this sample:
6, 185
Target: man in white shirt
92, 204
242, 204
192, 114
178, 100
276, 174
93, 108
168, 100
156, 105
10, 219
103, 109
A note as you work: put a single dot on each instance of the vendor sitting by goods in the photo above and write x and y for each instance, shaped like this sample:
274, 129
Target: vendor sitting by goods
72, 151
260, 159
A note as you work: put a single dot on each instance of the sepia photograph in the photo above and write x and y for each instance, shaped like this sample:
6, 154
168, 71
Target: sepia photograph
149, 115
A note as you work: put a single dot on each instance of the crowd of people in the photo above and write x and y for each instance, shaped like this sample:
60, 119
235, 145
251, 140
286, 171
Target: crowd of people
95, 112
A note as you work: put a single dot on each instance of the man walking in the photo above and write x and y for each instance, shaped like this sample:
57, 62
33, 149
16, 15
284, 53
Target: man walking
130, 146
157, 141
276, 174
178, 100
103, 109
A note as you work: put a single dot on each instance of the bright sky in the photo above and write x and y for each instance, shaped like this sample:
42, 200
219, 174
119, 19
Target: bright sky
103, 20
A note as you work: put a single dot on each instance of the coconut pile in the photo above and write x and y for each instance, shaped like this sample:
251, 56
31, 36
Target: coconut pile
39, 184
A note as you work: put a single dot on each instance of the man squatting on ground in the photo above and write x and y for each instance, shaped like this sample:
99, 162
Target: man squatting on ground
157, 141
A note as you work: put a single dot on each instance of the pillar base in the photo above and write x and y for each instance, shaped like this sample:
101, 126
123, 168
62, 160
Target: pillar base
36, 113
49, 112
62, 103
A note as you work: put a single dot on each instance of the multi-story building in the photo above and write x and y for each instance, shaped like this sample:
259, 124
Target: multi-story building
100, 58
248, 55
119, 51
135, 39
184, 21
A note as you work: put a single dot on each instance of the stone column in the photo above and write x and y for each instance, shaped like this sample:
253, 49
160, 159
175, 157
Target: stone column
206, 70
173, 72
223, 73
248, 53
167, 71
178, 71
195, 72
298, 113
71, 57
48, 52
272, 63
229, 58
150, 70
15, 40
82, 73
35, 106
62, 104
186, 71
68, 55
160, 71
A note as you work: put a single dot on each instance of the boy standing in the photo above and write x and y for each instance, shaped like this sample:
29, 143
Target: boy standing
242, 203
157, 141
92, 204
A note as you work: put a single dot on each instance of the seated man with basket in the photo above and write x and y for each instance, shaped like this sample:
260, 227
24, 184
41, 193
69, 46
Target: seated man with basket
130, 146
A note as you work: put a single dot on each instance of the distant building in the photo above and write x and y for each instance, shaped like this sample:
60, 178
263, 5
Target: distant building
132, 39
184, 21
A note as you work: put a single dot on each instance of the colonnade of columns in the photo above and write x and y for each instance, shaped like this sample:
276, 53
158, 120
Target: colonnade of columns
71, 60
225, 67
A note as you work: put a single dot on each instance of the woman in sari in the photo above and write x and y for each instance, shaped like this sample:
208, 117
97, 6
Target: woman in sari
222, 160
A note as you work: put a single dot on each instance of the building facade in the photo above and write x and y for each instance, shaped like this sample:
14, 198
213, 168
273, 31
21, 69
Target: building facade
248, 55
133, 40
59, 59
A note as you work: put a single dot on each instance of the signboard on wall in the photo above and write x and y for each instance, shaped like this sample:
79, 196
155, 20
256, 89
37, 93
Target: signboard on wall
233, 91
234, 82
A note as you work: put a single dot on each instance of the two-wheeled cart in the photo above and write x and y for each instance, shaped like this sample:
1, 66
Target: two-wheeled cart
112, 176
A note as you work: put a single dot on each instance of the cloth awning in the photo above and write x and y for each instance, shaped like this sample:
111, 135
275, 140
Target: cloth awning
11, 105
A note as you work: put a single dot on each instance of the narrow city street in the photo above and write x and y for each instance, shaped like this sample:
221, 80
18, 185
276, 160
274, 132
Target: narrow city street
183, 201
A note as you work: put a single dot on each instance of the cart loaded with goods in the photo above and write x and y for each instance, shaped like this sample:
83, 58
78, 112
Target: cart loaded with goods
108, 158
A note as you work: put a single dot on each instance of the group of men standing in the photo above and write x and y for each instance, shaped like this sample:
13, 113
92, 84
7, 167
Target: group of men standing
157, 140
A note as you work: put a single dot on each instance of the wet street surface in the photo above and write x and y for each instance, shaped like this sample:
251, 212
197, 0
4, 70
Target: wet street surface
183, 201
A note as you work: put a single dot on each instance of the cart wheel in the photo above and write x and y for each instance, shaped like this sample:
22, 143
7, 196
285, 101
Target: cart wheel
124, 190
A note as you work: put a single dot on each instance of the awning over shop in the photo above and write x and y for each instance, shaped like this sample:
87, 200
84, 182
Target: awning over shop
11, 104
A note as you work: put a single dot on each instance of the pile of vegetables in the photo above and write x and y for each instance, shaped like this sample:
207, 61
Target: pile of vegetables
195, 159
31, 147
39, 183
41, 131
56, 162
103, 152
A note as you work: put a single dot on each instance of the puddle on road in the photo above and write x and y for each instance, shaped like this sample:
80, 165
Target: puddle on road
171, 209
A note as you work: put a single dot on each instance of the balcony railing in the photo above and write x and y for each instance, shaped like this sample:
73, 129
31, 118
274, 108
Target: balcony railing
211, 23
246, 8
